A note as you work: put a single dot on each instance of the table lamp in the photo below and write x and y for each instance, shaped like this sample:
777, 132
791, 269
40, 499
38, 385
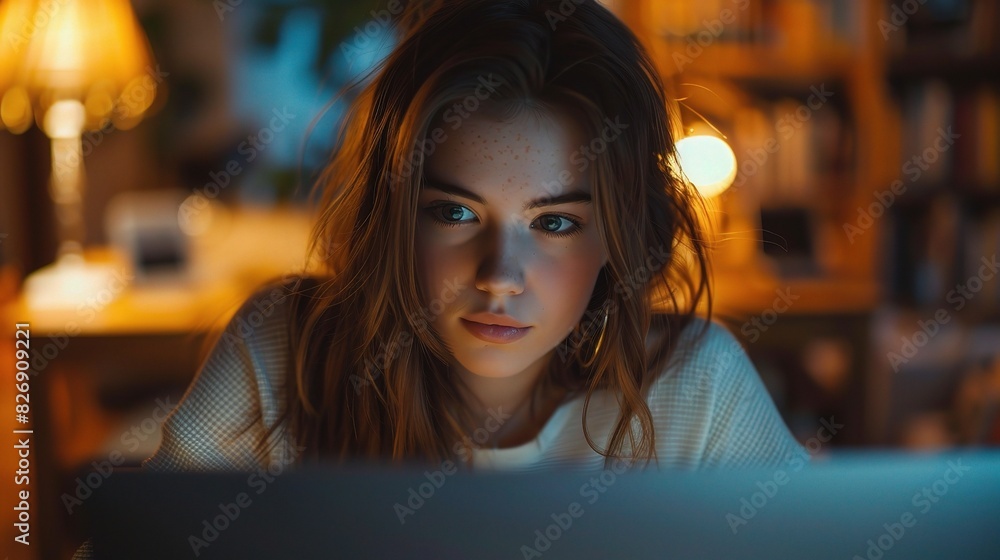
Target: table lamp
706, 161
70, 66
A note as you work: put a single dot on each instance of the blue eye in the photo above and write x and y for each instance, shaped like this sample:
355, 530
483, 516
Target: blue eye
551, 224
450, 212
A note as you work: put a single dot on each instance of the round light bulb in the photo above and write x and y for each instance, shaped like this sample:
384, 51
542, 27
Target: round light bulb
708, 162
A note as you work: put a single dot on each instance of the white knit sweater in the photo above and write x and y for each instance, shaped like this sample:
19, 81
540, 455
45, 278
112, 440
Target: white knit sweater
710, 408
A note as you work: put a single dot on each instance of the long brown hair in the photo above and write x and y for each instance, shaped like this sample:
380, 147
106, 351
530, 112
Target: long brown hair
351, 399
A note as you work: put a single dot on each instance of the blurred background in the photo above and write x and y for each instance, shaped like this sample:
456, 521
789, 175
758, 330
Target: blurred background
856, 243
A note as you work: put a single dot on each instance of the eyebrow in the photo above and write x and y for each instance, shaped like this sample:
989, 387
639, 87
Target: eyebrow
565, 198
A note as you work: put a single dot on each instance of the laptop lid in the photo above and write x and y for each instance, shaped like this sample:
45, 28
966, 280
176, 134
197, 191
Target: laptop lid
856, 505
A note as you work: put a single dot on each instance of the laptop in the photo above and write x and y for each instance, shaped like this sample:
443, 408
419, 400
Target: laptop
853, 505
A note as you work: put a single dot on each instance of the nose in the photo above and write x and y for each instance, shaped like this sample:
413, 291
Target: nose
501, 272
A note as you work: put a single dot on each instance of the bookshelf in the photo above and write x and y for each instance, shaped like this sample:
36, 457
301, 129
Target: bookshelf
826, 103
942, 237
943, 72
797, 92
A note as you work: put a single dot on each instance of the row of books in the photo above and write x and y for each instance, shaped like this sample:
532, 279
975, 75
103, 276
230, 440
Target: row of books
789, 149
935, 27
951, 134
943, 254
774, 22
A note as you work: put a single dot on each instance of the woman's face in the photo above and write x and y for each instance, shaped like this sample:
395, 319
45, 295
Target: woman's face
505, 226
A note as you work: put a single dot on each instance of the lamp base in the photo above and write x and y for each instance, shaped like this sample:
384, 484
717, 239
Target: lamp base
72, 281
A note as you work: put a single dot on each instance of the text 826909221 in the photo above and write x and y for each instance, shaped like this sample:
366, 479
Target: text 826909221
22, 414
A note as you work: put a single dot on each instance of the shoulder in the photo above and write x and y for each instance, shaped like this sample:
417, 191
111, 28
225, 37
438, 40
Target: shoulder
706, 360
238, 392
273, 299
704, 348
713, 362
714, 405
264, 317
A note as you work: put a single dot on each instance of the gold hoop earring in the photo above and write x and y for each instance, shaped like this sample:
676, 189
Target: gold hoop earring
600, 339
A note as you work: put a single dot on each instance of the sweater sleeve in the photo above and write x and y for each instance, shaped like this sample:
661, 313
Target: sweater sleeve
234, 398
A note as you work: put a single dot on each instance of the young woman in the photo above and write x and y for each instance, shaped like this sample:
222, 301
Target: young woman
512, 268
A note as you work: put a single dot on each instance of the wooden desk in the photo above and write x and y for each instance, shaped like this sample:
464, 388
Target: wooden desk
148, 337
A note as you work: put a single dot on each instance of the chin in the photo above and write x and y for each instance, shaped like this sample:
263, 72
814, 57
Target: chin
496, 368
492, 362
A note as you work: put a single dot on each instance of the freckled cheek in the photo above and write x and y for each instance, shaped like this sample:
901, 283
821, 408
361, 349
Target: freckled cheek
566, 285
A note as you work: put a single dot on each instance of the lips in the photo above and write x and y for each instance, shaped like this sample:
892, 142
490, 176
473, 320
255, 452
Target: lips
494, 319
497, 334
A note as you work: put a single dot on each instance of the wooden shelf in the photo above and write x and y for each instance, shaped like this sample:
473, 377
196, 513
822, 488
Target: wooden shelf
741, 61
749, 291
915, 66
920, 195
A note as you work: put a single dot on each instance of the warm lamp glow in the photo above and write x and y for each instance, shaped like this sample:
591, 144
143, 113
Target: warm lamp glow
71, 66
91, 51
708, 162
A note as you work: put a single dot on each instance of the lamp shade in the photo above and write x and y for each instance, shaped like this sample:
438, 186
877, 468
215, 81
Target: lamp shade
91, 51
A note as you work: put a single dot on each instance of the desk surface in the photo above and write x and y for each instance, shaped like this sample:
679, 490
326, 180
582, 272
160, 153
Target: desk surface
245, 248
